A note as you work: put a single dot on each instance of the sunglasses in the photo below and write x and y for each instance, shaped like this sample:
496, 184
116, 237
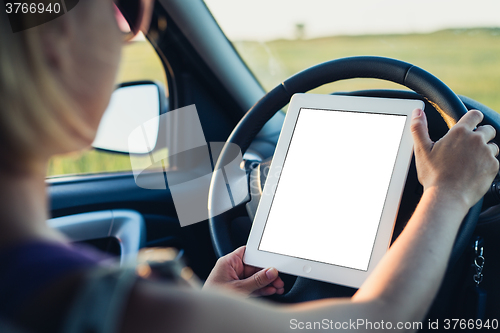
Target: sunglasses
133, 16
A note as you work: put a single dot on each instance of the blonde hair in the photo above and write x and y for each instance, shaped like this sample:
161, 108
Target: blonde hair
37, 118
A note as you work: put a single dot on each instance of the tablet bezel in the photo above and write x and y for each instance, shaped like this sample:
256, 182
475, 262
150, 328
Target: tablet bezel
313, 269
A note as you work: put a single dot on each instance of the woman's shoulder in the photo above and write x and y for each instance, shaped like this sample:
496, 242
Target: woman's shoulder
38, 252
38, 280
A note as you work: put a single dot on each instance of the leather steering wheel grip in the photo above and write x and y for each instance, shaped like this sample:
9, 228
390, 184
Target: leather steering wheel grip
446, 102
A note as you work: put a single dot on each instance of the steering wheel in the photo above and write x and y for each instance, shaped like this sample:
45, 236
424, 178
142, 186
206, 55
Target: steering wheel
434, 91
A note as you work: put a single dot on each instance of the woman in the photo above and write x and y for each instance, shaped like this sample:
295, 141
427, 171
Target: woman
55, 83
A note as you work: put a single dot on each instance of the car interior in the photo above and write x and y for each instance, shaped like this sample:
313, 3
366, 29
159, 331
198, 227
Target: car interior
202, 66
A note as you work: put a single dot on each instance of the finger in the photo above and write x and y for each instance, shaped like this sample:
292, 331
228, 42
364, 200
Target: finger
420, 132
278, 283
259, 280
250, 270
235, 261
234, 257
494, 148
266, 291
471, 119
239, 252
487, 131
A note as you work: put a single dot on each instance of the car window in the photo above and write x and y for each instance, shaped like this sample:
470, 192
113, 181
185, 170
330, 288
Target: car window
459, 42
139, 62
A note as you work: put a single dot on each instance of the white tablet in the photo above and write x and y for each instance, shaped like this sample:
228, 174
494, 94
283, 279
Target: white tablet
333, 190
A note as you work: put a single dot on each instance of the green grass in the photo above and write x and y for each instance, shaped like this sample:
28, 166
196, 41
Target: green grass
89, 161
467, 60
92, 161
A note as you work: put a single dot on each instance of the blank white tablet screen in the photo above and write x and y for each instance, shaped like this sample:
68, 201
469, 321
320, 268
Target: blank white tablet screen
331, 192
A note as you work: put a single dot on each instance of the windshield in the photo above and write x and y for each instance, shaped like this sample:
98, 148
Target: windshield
458, 41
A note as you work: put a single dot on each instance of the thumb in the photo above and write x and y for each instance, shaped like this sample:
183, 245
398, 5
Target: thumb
420, 131
259, 280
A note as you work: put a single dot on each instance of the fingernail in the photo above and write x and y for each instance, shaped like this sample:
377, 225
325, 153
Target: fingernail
416, 113
272, 273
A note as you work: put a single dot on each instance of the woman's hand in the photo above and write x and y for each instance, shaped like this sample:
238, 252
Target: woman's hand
232, 274
462, 164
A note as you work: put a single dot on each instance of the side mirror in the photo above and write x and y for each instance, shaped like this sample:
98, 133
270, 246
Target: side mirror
132, 105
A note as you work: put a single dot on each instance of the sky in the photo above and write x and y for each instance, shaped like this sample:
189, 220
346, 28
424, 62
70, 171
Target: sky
273, 19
